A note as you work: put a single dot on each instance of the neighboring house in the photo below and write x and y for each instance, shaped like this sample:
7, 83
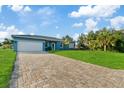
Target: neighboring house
36, 43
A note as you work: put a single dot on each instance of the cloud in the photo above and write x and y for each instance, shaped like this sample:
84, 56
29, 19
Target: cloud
75, 36
27, 9
58, 36
90, 24
47, 11
95, 11
32, 34
8, 31
2, 26
117, 22
77, 25
3, 35
17, 8
20, 8
13, 30
47, 16
57, 27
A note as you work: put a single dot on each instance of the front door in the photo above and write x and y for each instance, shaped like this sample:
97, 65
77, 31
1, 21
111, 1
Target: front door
53, 46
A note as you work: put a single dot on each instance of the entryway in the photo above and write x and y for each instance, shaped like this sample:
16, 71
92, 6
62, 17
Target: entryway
53, 46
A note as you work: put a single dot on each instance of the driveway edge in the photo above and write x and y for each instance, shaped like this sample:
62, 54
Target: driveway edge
15, 74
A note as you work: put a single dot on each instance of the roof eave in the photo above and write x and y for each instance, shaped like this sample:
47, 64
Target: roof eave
16, 36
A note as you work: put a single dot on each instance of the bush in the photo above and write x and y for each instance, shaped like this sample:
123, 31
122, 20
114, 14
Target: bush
48, 49
6, 46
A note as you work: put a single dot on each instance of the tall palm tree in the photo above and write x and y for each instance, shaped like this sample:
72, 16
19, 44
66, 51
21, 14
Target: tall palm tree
91, 40
104, 38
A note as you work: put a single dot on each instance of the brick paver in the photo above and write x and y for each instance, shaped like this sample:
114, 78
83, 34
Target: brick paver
49, 71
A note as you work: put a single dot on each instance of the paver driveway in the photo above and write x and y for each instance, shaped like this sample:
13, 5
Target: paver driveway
49, 70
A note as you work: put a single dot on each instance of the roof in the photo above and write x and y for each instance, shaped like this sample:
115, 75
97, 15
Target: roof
37, 37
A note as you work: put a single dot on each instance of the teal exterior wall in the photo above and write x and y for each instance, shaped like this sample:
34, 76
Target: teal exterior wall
58, 45
48, 44
14, 45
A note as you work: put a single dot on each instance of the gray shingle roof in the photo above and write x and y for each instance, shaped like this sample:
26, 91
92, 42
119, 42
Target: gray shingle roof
37, 37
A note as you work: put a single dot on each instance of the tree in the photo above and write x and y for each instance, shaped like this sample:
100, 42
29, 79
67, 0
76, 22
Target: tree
0, 44
104, 38
7, 43
119, 44
82, 42
67, 39
91, 40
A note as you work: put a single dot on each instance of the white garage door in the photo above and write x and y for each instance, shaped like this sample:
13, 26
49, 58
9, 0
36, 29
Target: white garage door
29, 45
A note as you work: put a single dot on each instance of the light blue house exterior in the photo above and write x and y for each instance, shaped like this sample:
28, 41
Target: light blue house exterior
36, 43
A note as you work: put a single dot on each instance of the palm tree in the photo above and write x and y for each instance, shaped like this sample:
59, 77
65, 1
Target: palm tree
105, 38
91, 40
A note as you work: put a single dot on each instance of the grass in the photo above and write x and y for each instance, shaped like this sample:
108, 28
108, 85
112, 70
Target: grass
111, 60
7, 59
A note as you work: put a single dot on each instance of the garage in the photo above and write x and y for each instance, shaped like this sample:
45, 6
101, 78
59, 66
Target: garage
29, 45
35, 43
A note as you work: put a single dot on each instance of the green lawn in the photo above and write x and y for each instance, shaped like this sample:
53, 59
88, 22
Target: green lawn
7, 59
107, 59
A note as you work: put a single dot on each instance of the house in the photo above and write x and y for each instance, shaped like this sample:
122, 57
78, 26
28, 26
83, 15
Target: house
35, 43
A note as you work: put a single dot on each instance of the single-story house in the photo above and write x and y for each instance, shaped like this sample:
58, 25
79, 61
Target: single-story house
36, 43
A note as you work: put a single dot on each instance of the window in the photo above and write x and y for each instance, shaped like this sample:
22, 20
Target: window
46, 44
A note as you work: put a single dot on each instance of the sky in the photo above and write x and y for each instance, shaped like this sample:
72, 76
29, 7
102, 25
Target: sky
58, 21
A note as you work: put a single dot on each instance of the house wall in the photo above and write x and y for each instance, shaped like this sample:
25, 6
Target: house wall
58, 45
14, 45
